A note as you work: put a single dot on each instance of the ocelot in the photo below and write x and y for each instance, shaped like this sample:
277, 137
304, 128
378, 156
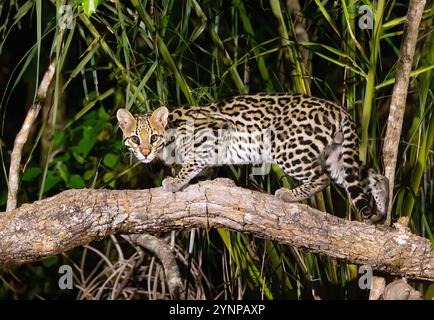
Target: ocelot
313, 140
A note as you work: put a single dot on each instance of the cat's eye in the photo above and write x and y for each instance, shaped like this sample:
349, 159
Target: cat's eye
153, 138
135, 139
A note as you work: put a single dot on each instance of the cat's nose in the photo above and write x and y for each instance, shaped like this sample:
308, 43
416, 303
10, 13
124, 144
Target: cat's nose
146, 152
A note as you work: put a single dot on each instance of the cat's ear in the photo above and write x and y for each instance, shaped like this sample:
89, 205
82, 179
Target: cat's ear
159, 117
127, 123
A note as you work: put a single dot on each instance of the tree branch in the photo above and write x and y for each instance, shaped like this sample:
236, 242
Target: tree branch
399, 96
75, 217
160, 249
22, 136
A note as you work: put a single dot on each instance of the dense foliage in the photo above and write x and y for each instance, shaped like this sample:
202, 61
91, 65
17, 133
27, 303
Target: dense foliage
141, 54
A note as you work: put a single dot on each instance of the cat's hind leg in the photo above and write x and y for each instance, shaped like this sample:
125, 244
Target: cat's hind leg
307, 189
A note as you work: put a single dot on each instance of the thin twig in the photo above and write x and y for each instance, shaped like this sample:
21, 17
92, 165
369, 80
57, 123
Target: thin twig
22, 136
162, 250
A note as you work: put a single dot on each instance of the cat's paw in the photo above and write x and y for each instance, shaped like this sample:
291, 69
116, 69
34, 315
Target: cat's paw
372, 216
283, 194
170, 184
375, 218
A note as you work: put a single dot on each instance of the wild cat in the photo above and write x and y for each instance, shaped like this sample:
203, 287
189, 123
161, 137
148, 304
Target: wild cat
313, 140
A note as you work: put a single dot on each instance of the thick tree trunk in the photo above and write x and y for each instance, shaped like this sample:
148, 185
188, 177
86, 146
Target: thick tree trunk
74, 217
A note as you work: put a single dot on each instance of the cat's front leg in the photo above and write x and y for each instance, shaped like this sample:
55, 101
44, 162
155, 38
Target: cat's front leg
188, 171
172, 184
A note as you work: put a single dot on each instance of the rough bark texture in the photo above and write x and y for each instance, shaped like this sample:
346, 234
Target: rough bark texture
400, 290
377, 288
399, 95
74, 217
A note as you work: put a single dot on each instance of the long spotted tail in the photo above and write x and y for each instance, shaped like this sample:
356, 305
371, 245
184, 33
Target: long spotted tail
361, 184
378, 187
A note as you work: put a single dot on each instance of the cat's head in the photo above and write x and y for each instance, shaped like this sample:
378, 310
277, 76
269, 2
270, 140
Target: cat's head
143, 134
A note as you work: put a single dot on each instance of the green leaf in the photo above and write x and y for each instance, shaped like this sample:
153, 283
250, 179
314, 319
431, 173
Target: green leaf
23, 10
110, 160
429, 294
109, 179
58, 138
62, 158
89, 6
63, 172
90, 105
31, 173
93, 47
51, 180
327, 17
86, 143
76, 182
102, 114
108, 176
51, 261
167, 57
88, 174
3, 197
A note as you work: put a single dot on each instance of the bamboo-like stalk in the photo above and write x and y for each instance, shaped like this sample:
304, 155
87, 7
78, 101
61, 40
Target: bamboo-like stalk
296, 70
368, 98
